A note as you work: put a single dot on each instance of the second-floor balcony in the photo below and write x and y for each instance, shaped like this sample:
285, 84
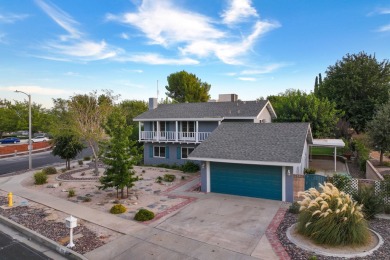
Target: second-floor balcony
172, 136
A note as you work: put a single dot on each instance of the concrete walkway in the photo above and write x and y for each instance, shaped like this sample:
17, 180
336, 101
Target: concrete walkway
138, 241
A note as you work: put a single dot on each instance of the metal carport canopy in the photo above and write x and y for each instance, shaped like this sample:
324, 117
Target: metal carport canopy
329, 143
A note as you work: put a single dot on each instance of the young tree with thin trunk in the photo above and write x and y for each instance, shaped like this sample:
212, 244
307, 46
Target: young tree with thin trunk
67, 146
118, 155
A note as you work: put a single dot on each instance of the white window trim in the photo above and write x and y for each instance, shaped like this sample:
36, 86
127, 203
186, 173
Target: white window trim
181, 152
154, 156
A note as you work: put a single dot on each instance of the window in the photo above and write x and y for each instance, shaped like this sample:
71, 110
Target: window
188, 129
185, 151
159, 151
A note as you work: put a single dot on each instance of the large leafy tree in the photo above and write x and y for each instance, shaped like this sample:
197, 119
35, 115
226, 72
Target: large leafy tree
378, 130
8, 117
357, 84
67, 146
187, 87
133, 108
89, 113
119, 154
296, 106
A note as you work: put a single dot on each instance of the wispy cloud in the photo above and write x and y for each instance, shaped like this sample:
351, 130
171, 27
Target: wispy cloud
247, 78
265, 69
238, 10
385, 28
11, 18
74, 44
124, 36
156, 59
72, 74
133, 70
31, 89
195, 34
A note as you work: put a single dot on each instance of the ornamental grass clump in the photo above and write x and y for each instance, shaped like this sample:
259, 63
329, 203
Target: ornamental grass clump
331, 217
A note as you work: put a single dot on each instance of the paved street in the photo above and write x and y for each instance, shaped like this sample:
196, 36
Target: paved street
18, 163
15, 246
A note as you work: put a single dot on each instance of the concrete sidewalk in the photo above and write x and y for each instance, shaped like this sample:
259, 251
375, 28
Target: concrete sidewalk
139, 241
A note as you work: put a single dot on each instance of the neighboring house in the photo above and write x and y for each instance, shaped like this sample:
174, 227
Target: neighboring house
255, 160
240, 150
170, 132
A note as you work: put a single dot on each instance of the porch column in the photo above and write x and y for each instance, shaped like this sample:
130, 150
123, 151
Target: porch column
158, 131
196, 131
139, 131
177, 131
335, 152
208, 176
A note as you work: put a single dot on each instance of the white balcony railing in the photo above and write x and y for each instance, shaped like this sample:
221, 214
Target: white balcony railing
173, 136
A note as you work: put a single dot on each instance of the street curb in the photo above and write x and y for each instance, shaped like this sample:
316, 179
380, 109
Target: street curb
42, 240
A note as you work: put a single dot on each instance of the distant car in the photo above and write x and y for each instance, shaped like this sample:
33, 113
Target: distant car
10, 140
39, 138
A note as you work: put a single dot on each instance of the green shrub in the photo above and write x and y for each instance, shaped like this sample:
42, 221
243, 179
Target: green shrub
372, 203
190, 167
387, 164
330, 217
294, 208
87, 158
342, 182
63, 170
81, 162
159, 179
386, 209
387, 154
363, 154
49, 170
40, 178
118, 209
183, 177
71, 193
169, 177
309, 171
144, 215
87, 199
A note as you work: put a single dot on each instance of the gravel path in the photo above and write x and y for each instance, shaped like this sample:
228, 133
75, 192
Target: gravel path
33, 218
381, 226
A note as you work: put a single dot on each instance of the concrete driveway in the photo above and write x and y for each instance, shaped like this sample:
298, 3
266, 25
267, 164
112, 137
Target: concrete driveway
231, 222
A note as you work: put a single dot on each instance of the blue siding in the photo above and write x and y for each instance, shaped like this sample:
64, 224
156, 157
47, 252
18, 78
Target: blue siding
246, 180
207, 126
170, 151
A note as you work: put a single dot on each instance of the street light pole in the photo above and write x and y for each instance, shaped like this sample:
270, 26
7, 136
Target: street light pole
29, 130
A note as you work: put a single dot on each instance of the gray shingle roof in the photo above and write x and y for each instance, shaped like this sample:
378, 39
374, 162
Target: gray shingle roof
205, 110
265, 142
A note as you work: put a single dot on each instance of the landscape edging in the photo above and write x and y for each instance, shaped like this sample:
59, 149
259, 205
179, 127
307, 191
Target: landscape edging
42, 240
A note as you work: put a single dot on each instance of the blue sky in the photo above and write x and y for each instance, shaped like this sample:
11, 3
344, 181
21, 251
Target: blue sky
252, 48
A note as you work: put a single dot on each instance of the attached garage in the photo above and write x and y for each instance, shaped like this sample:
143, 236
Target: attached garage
253, 159
259, 181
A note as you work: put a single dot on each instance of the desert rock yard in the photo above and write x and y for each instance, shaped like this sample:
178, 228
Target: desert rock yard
146, 193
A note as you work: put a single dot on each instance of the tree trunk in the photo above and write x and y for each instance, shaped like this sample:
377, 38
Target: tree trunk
127, 191
122, 194
117, 193
95, 157
67, 164
381, 157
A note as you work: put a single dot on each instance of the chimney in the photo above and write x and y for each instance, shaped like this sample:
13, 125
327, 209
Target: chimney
227, 98
152, 103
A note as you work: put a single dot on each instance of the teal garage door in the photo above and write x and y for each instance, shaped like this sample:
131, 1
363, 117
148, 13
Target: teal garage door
246, 180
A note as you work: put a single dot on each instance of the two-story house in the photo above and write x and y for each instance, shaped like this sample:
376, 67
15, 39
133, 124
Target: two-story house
239, 149
170, 132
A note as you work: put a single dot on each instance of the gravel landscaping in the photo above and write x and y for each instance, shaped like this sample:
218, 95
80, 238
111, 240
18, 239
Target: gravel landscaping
382, 226
36, 217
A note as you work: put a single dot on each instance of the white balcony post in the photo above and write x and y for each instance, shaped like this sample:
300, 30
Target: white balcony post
139, 131
158, 131
196, 131
177, 131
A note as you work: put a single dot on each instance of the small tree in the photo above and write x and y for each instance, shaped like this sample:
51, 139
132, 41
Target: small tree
67, 146
89, 114
378, 130
187, 87
118, 155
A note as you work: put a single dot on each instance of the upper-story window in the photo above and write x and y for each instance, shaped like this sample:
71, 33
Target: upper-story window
188, 129
163, 126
